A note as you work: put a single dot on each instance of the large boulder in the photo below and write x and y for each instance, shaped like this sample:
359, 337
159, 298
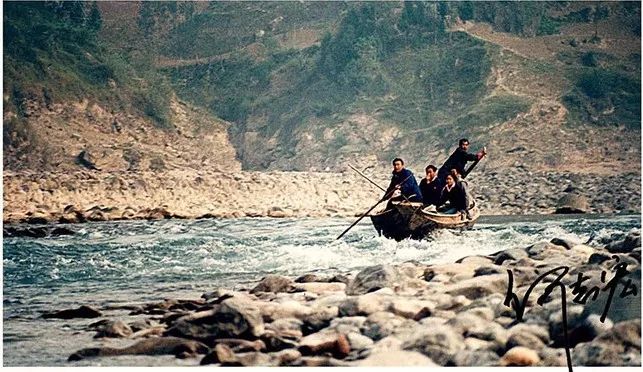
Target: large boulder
397, 358
366, 304
24, 232
597, 354
539, 332
319, 318
320, 288
382, 324
621, 308
631, 241
618, 346
478, 287
80, 312
520, 356
233, 318
85, 159
476, 358
272, 311
325, 341
572, 203
113, 328
440, 343
152, 346
384, 276
274, 283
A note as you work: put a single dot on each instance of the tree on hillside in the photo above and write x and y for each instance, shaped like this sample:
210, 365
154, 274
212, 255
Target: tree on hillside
420, 19
365, 73
95, 21
366, 22
465, 10
600, 12
74, 11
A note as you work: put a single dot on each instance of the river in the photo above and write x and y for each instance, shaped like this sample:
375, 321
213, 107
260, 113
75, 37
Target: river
117, 263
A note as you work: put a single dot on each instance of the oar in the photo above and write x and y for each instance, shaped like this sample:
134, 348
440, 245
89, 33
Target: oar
388, 194
466, 172
368, 179
371, 181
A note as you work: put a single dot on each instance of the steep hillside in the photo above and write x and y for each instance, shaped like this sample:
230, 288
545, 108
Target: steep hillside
311, 86
539, 83
66, 91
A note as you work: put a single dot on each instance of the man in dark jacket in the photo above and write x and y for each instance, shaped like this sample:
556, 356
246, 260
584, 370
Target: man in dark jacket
404, 181
430, 187
458, 160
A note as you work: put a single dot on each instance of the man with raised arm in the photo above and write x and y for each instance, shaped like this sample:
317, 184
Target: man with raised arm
458, 160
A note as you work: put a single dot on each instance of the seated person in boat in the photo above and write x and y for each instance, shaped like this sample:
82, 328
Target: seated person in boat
458, 160
453, 198
430, 187
460, 182
403, 183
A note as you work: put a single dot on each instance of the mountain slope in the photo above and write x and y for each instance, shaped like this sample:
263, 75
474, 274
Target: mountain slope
408, 79
310, 86
66, 91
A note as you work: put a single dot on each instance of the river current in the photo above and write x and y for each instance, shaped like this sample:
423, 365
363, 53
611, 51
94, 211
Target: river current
133, 262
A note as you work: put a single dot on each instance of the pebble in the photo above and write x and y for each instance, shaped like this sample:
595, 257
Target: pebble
520, 356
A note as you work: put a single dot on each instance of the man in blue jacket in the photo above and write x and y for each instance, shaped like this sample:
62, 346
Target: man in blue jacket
403, 180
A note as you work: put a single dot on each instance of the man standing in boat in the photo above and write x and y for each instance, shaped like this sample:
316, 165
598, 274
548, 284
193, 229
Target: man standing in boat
430, 187
403, 181
458, 160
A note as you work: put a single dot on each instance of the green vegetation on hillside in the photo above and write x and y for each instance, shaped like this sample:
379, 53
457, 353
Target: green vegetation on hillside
605, 97
401, 64
59, 49
227, 26
505, 15
52, 54
282, 71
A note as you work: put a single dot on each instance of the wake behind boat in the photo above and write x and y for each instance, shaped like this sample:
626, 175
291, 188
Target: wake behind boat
401, 220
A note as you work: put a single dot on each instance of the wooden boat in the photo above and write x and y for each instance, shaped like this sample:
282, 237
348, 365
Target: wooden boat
407, 219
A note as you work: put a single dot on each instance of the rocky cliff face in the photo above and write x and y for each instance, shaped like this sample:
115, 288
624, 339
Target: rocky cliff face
118, 141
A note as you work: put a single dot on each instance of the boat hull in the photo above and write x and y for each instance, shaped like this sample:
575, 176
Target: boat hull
410, 220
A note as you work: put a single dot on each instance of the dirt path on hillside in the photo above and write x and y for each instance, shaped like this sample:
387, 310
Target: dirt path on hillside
528, 48
543, 129
295, 39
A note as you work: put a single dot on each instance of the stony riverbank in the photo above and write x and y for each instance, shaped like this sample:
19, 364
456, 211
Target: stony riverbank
408, 314
99, 196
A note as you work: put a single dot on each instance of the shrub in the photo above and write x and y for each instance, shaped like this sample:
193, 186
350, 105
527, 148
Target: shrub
593, 84
589, 59
548, 26
495, 109
605, 97
157, 164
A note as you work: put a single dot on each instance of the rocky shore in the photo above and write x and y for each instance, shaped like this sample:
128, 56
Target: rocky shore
99, 196
411, 314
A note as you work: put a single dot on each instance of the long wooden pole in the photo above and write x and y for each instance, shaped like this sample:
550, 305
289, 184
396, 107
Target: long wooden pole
466, 172
371, 181
368, 179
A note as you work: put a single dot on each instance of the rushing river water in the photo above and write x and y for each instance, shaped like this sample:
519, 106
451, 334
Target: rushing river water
117, 263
